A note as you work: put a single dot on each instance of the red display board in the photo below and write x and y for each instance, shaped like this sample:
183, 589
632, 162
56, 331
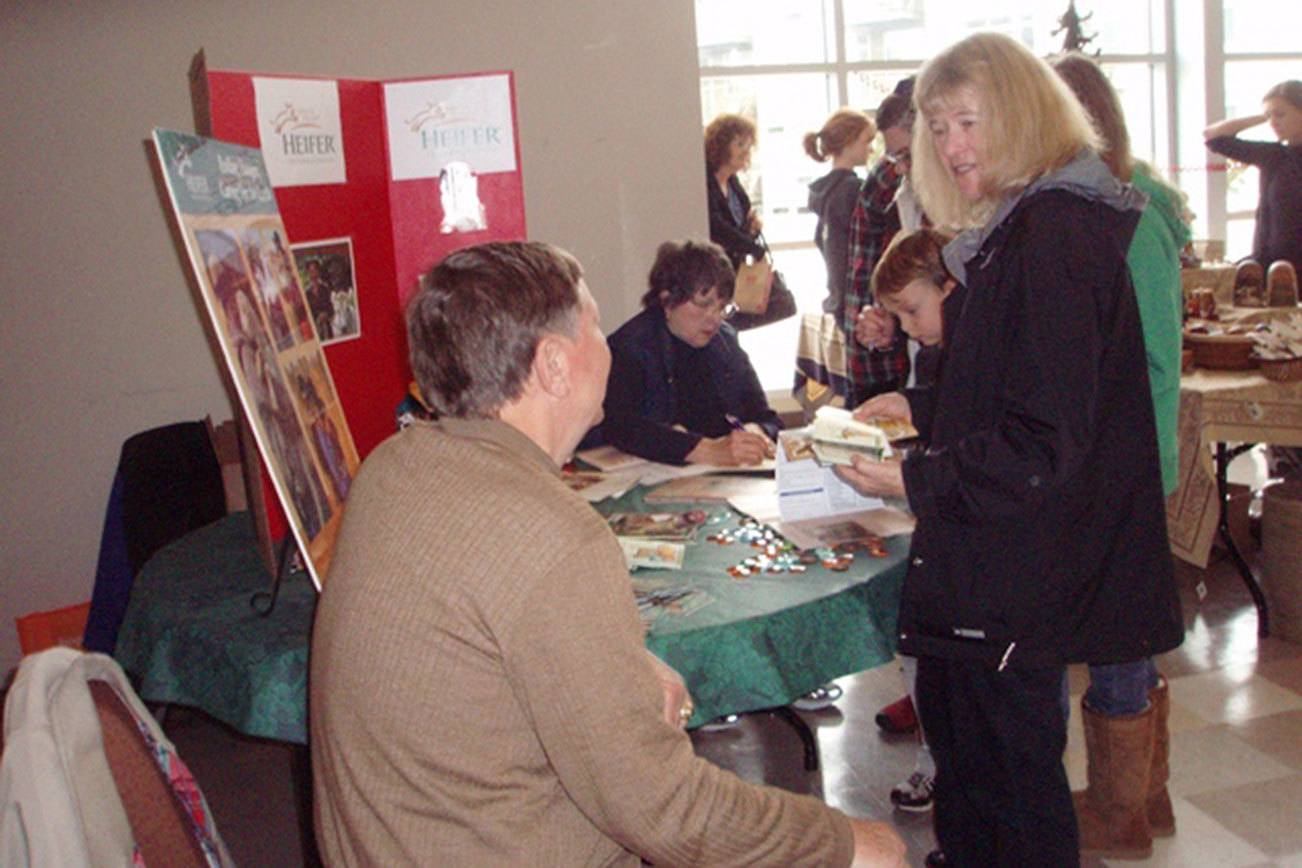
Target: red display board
395, 226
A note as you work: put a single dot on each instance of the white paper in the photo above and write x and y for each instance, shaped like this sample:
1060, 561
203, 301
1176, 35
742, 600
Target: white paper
459, 196
829, 530
611, 485
807, 490
608, 459
761, 507
300, 131
434, 123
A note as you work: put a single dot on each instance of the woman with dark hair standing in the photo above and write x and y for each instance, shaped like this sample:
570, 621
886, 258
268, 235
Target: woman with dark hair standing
844, 139
1041, 535
1127, 705
681, 389
1278, 235
734, 224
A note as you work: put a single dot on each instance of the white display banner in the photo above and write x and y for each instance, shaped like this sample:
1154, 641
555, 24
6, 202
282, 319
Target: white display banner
300, 131
433, 123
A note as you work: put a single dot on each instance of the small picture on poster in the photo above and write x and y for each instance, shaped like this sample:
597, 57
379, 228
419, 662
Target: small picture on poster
325, 271
239, 252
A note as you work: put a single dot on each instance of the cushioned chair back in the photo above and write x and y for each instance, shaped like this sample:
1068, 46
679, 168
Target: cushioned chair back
161, 828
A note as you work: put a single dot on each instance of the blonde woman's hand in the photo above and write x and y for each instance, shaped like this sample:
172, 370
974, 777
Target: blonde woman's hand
873, 478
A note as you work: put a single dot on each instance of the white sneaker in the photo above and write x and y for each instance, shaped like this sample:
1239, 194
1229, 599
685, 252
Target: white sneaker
818, 699
914, 794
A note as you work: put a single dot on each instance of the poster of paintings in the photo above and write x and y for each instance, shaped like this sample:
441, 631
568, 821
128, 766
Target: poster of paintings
237, 247
325, 271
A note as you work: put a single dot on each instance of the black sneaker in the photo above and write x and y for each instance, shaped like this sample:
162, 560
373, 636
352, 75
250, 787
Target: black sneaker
914, 794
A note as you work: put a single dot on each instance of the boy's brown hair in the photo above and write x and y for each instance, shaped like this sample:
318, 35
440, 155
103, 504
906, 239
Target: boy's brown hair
911, 256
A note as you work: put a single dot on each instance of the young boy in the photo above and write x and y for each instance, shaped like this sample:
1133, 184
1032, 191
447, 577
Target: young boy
910, 281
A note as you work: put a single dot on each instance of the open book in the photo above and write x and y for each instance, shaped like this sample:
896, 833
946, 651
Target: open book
837, 435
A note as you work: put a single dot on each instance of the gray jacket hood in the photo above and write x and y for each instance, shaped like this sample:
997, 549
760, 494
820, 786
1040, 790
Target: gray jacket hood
1086, 176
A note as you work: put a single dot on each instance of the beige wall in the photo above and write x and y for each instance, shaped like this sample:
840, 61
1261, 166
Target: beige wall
99, 336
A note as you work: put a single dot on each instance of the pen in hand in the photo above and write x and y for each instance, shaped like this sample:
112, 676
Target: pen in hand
751, 429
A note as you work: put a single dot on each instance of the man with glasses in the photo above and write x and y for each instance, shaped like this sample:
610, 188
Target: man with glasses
681, 389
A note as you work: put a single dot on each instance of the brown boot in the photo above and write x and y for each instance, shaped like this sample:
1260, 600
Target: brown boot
1111, 812
1161, 818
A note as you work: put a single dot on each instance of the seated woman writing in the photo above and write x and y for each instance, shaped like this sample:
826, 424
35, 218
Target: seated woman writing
681, 389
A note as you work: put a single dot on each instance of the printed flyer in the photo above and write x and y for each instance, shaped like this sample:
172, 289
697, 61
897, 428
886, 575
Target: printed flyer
226, 211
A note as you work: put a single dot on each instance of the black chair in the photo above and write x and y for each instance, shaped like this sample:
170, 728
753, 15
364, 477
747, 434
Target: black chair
168, 483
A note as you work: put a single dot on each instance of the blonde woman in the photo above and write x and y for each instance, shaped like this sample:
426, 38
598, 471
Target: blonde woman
844, 140
1041, 535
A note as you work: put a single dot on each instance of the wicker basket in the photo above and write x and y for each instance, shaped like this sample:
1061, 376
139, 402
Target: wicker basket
1281, 549
1222, 352
1282, 370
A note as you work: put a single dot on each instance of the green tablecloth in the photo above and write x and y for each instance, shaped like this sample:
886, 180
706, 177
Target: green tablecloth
767, 639
190, 636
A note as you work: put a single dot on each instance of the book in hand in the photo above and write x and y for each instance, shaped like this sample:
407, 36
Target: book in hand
837, 436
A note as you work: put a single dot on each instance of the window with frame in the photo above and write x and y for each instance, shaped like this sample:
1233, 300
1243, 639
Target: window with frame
1260, 51
788, 64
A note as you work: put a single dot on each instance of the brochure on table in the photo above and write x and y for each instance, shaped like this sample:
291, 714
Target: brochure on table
816, 507
222, 199
376, 181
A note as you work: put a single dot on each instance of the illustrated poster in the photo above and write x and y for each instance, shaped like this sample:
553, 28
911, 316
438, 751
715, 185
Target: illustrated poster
325, 271
237, 246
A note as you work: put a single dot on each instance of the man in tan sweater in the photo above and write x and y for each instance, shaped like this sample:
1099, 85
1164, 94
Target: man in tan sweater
480, 691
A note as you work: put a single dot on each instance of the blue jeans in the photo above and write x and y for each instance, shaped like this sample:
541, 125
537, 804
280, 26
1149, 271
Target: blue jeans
1118, 689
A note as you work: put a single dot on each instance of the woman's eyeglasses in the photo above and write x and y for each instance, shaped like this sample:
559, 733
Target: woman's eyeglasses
725, 309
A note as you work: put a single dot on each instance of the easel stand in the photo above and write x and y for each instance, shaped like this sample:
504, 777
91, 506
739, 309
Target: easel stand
268, 598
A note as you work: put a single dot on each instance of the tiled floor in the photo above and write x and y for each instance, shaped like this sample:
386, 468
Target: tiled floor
1236, 741
1236, 755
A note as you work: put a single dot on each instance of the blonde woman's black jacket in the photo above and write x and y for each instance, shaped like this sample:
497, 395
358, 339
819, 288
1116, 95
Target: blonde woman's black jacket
1041, 534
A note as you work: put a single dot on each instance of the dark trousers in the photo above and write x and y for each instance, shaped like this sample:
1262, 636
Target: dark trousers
1002, 797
